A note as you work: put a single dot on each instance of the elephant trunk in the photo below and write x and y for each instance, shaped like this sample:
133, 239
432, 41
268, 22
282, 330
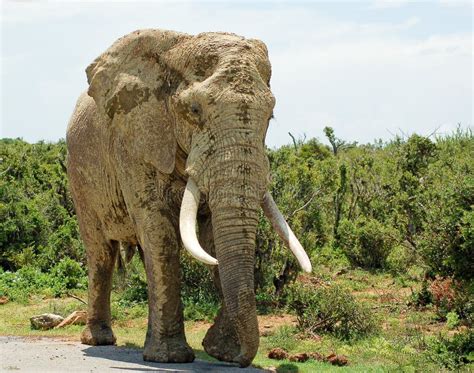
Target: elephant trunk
234, 218
235, 196
234, 236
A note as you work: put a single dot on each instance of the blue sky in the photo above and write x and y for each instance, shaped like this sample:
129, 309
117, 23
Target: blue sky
369, 69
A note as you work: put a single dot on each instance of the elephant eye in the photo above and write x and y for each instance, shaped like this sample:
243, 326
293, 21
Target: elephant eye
195, 109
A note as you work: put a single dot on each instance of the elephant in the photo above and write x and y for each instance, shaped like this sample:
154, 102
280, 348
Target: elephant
169, 141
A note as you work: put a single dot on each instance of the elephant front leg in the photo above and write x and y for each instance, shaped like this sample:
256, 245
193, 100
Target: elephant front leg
221, 339
165, 340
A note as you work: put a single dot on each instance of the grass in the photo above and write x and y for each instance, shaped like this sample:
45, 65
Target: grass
398, 347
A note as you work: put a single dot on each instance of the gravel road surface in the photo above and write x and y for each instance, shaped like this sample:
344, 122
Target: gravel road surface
53, 355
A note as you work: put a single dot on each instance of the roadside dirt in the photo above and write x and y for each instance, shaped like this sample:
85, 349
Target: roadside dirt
56, 355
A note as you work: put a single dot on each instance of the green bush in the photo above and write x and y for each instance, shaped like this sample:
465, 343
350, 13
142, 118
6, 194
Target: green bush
134, 290
37, 222
448, 297
463, 304
205, 308
452, 320
66, 275
267, 302
330, 309
366, 242
400, 259
452, 353
421, 298
198, 292
19, 285
331, 257
446, 240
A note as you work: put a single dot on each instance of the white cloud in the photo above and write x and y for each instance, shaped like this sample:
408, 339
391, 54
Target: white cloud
366, 79
367, 82
456, 3
384, 4
21, 12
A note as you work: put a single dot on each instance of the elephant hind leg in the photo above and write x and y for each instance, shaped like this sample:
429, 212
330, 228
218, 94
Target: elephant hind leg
101, 258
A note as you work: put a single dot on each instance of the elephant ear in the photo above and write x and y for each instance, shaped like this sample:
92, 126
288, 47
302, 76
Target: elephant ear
130, 83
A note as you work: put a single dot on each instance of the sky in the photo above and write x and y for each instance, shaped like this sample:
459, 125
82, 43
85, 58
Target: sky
369, 69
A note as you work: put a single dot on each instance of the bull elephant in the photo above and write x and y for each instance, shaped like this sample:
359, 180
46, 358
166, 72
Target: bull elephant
170, 135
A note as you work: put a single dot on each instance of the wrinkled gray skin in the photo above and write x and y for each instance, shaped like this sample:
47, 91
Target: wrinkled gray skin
162, 107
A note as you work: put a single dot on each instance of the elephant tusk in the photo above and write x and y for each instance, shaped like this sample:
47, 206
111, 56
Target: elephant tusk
187, 224
284, 231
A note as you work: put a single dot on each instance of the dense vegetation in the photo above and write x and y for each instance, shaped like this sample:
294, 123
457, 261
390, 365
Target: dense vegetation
403, 208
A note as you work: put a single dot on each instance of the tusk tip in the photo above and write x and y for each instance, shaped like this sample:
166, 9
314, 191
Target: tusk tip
205, 258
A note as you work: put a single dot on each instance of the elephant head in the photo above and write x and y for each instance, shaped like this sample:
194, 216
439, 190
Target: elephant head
207, 96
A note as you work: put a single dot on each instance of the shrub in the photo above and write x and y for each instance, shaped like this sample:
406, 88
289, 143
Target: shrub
446, 240
400, 259
330, 309
197, 306
135, 290
332, 257
366, 242
67, 274
421, 298
267, 302
443, 294
452, 320
198, 292
36, 212
200, 309
19, 285
464, 302
452, 353
448, 296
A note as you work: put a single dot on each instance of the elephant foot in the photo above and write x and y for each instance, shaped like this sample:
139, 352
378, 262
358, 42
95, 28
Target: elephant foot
98, 335
169, 350
221, 341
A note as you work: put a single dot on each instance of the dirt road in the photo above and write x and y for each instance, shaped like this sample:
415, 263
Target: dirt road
52, 355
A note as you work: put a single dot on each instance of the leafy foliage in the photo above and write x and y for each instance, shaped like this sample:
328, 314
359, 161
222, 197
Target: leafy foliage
366, 242
64, 276
385, 206
330, 309
452, 353
199, 294
37, 221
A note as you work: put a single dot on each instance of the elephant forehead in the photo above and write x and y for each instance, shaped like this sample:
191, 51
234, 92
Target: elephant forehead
199, 56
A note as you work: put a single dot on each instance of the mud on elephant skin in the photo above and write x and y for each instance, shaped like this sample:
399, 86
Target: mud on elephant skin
168, 112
